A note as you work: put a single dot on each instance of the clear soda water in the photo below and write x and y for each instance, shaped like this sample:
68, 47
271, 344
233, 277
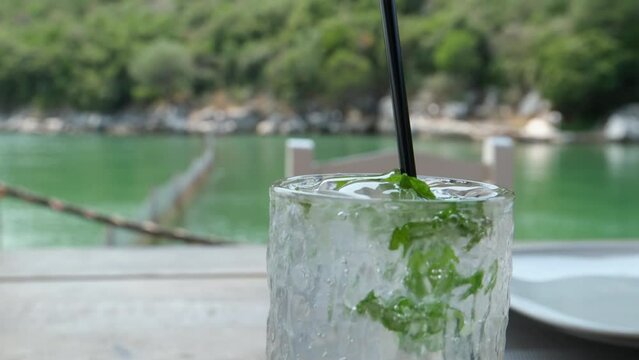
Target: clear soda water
360, 269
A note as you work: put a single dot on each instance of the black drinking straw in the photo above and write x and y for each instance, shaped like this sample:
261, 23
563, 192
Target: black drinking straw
398, 88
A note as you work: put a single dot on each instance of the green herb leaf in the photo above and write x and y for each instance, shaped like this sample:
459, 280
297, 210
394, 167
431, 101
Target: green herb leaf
417, 323
400, 237
474, 281
432, 278
411, 183
459, 317
492, 277
421, 188
414, 282
370, 305
306, 206
341, 183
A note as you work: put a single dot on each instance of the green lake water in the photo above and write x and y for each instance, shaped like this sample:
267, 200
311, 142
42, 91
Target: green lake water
563, 191
103, 173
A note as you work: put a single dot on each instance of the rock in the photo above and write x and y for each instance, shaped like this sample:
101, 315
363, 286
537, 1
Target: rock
623, 124
245, 122
266, 128
26, 121
489, 107
542, 128
121, 130
385, 117
455, 110
225, 127
533, 104
53, 125
421, 102
357, 122
270, 125
28, 125
294, 125
433, 110
96, 122
325, 121
208, 113
166, 117
335, 127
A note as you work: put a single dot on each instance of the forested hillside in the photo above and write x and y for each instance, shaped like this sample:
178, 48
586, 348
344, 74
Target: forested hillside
105, 55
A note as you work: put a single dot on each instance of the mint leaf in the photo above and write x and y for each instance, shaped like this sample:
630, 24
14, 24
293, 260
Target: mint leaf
414, 280
370, 305
459, 317
306, 206
395, 180
411, 183
421, 188
475, 225
400, 237
441, 269
432, 280
470, 223
341, 183
474, 281
417, 323
492, 277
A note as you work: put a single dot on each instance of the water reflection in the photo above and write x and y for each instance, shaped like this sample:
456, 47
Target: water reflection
619, 157
535, 162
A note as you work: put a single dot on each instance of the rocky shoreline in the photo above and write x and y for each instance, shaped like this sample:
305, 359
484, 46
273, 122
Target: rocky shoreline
538, 123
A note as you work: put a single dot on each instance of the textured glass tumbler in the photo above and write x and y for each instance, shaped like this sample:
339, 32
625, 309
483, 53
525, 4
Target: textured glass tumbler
385, 279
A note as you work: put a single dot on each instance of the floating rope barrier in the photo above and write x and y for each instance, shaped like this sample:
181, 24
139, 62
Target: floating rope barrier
145, 227
168, 200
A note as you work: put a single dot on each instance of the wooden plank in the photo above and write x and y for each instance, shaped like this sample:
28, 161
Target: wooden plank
143, 262
134, 319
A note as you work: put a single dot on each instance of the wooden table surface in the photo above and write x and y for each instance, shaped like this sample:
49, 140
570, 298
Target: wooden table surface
174, 303
149, 303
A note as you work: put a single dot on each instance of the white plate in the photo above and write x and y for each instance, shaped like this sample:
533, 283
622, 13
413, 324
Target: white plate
589, 289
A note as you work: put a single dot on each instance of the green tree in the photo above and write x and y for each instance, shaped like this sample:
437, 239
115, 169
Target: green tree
346, 76
162, 70
458, 54
105, 54
293, 74
580, 72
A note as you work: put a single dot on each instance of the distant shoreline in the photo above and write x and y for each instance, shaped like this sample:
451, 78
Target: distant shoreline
174, 120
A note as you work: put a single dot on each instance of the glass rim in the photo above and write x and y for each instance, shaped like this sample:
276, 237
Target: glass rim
502, 194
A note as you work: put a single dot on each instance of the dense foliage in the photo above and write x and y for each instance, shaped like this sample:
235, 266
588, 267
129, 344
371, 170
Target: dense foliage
107, 54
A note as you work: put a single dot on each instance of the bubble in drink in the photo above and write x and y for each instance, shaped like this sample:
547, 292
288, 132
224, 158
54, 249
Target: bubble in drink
421, 272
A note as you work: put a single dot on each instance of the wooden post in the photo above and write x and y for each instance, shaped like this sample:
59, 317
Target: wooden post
300, 154
498, 157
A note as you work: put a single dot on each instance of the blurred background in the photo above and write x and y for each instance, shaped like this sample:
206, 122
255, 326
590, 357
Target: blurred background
105, 104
